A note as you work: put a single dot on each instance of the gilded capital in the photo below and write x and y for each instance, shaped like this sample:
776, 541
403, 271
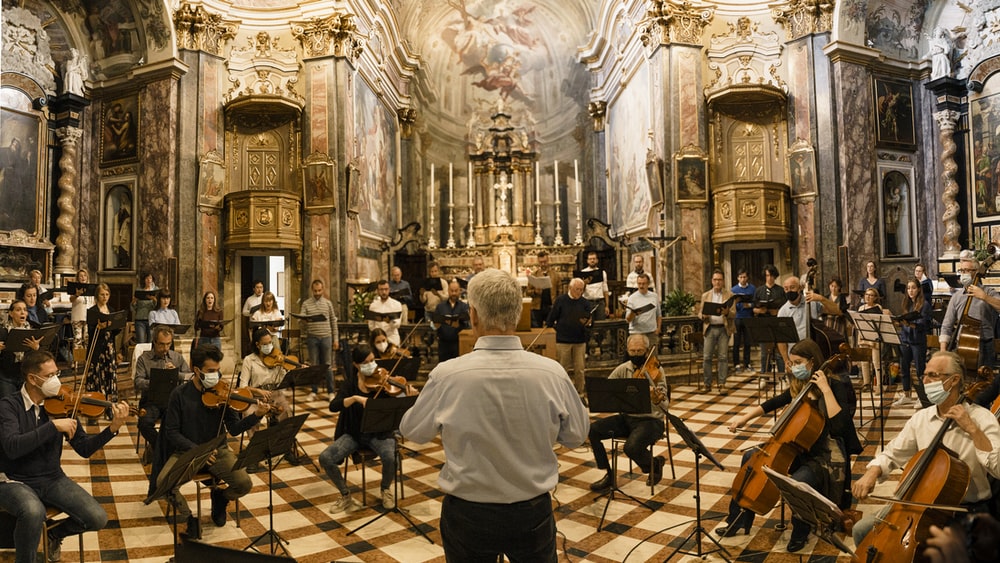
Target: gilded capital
947, 119
201, 30
336, 35
598, 111
406, 117
804, 17
675, 22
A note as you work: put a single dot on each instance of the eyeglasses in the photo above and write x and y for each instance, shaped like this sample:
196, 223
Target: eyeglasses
934, 376
967, 270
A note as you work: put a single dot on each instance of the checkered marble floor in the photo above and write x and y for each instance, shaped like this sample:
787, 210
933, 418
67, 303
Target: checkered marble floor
138, 532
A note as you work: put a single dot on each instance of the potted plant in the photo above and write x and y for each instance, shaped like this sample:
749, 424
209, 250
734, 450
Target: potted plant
678, 303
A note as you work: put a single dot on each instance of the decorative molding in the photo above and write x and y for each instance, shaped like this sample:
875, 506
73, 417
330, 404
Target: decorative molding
407, 117
26, 47
804, 17
745, 57
201, 30
263, 68
598, 112
674, 22
334, 36
982, 42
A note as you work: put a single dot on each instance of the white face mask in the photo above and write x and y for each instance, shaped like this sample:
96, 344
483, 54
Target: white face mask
367, 369
51, 386
381, 346
266, 349
935, 392
210, 378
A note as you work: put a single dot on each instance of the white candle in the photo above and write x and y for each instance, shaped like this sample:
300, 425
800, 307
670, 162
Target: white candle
470, 182
538, 184
451, 192
555, 180
576, 177
432, 185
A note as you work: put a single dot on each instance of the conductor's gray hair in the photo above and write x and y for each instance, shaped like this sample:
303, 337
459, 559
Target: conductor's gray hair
496, 297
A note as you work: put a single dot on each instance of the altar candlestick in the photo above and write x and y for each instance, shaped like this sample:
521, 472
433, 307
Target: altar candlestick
555, 179
470, 182
432, 185
576, 177
538, 184
451, 192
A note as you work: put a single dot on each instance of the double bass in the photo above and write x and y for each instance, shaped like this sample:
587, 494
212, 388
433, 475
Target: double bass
968, 329
796, 430
935, 476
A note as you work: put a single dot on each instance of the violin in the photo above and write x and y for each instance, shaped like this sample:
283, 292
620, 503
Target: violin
795, 432
650, 370
91, 404
935, 476
239, 399
393, 385
276, 358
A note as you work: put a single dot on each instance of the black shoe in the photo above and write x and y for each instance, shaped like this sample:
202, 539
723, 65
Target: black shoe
193, 527
292, 458
602, 485
657, 473
796, 544
55, 549
735, 524
219, 503
255, 468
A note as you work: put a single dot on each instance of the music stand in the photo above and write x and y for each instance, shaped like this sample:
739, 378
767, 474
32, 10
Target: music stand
406, 367
183, 470
699, 449
301, 377
808, 505
162, 383
622, 396
382, 416
878, 329
276, 439
771, 330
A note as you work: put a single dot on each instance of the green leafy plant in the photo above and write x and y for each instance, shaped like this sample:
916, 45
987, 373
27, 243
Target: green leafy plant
678, 303
359, 304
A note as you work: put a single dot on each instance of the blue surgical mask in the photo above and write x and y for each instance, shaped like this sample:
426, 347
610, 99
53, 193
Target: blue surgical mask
801, 372
935, 392
210, 378
367, 369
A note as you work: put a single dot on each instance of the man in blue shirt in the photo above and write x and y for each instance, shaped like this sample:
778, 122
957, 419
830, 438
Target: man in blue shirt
744, 311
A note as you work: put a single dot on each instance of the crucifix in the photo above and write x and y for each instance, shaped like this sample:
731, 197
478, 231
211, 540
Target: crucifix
501, 188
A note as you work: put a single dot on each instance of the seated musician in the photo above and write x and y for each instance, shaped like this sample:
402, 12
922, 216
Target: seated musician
976, 440
161, 356
383, 304
31, 476
10, 362
984, 307
163, 314
448, 332
383, 349
261, 372
641, 430
188, 423
826, 466
36, 313
350, 402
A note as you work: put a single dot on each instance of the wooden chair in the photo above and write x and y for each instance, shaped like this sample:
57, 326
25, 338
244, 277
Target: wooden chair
363, 456
696, 340
616, 443
207, 480
7, 523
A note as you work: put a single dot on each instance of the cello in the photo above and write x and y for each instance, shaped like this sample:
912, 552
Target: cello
935, 476
795, 431
968, 329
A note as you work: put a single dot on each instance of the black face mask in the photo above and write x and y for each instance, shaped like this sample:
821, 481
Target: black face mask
791, 295
637, 361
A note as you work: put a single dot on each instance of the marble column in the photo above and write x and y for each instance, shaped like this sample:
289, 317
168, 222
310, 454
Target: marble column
69, 177
947, 119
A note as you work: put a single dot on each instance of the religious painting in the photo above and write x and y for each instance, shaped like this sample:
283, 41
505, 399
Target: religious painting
691, 176
112, 27
22, 158
897, 207
211, 180
376, 160
120, 130
118, 241
319, 182
628, 187
654, 174
985, 112
802, 168
894, 127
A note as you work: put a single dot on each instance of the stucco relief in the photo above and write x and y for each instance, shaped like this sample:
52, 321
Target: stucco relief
26, 47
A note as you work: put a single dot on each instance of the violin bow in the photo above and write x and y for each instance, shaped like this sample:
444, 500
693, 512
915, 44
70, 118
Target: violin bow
86, 369
535, 339
400, 358
232, 381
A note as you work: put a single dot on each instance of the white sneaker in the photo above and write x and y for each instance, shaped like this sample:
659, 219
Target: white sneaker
902, 401
311, 397
344, 504
388, 502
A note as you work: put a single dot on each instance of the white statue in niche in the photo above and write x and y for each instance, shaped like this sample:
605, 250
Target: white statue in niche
941, 44
501, 188
75, 73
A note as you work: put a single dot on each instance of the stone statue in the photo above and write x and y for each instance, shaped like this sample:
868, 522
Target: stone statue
941, 45
76, 72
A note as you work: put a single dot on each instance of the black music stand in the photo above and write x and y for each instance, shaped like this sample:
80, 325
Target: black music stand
381, 416
301, 377
183, 470
771, 330
277, 439
162, 383
880, 330
621, 396
808, 505
406, 367
699, 449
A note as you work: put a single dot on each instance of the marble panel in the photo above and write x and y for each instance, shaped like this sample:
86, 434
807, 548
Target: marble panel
211, 114
852, 89
695, 226
157, 188
208, 253
689, 98
319, 247
319, 116
801, 90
